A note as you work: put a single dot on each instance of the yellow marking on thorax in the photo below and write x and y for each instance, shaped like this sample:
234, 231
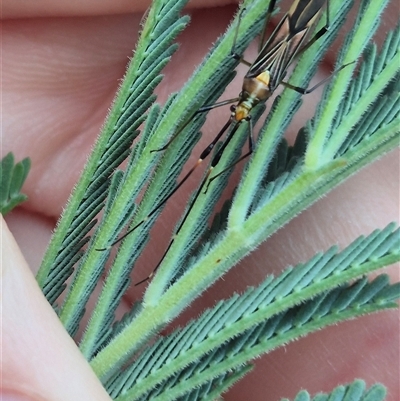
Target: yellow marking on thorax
264, 77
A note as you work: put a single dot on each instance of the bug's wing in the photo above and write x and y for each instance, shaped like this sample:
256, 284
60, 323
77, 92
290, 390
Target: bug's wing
303, 14
286, 40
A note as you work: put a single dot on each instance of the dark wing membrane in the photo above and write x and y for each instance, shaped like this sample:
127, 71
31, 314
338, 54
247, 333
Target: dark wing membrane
271, 49
277, 55
281, 47
302, 14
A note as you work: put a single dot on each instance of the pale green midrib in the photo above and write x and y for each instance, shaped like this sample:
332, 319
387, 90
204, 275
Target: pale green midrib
134, 175
268, 345
100, 145
216, 254
360, 108
368, 24
170, 296
93, 257
259, 316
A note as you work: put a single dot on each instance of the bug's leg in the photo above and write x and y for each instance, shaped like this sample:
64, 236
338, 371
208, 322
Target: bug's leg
305, 91
247, 154
201, 110
234, 53
177, 230
204, 154
214, 162
271, 7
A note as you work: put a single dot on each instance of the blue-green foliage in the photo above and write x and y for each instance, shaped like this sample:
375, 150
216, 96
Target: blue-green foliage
12, 178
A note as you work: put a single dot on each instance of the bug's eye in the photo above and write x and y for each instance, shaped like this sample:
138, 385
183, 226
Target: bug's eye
233, 108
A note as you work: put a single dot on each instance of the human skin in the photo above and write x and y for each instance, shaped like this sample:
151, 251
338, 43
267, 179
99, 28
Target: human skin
59, 77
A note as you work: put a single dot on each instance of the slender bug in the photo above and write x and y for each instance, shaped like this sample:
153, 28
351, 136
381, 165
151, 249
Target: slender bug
265, 74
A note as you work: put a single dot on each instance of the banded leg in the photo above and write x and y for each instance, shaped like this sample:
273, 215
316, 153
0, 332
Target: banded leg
214, 162
204, 154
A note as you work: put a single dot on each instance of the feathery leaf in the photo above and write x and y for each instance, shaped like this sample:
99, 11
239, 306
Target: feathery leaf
12, 177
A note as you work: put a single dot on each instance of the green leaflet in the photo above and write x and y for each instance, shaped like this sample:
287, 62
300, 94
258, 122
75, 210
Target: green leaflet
12, 178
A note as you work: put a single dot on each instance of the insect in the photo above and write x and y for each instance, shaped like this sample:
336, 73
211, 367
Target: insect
265, 74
